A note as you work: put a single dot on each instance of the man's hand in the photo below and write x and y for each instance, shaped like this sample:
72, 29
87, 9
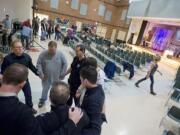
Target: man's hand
147, 76
78, 94
43, 77
75, 114
1, 76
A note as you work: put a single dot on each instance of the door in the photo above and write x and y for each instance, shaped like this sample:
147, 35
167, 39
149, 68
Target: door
79, 25
113, 35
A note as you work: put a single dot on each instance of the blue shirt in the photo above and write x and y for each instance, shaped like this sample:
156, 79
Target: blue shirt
26, 31
7, 24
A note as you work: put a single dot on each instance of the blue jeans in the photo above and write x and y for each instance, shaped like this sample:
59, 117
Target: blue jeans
25, 39
151, 77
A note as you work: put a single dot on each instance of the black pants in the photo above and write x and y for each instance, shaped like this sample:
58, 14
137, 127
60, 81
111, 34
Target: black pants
151, 77
73, 96
26, 40
130, 68
6, 39
27, 93
48, 35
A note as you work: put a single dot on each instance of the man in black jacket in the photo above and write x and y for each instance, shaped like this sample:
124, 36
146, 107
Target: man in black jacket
58, 115
74, 81
18, 56
15, 117
93, 100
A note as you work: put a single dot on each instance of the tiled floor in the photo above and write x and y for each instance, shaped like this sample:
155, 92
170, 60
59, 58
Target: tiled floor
130, 110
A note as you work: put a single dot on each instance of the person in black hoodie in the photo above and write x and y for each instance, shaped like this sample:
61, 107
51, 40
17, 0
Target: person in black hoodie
58, 115
18, 56
16, 118
93, 100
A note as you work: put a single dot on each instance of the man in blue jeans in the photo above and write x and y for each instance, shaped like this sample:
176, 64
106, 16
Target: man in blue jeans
18, 56
150, 74
26, 35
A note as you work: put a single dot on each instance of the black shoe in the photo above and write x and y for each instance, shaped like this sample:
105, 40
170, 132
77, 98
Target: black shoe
136, 85
34, 111
153, 93
41, 104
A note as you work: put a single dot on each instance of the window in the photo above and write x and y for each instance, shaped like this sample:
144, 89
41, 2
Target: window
101, 10
101, 31
108, 16
75, 4
121, 35
83, 9
54, 4
124, 14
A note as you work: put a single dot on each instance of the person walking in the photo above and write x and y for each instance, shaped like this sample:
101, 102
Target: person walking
52, 66
150, 74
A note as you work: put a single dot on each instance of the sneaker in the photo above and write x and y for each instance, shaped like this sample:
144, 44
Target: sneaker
34, 111
136, 85
153, 93
41, 104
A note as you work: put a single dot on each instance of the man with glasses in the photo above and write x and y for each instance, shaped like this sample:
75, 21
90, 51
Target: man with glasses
18, 56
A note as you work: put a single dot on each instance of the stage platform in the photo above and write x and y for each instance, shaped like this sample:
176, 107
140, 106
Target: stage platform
172, 62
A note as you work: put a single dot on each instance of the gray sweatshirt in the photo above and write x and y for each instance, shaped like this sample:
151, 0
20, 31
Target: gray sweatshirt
53, 67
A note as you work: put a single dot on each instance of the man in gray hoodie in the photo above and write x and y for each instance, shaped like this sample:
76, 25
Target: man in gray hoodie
52, 66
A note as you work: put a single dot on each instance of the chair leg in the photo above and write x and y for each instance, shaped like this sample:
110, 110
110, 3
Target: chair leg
167, 101
160, 124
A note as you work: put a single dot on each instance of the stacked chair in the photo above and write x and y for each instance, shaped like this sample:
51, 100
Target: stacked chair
177, 80
171, 121
135, 58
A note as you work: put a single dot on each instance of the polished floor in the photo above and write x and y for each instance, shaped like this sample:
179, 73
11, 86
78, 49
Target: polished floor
130, 110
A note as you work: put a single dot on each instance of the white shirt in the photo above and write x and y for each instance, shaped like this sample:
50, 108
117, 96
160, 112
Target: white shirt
101, 77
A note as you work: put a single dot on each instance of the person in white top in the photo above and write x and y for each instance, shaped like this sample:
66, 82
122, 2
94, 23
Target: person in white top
90, 61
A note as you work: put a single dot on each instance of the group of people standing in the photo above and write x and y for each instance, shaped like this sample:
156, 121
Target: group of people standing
84, 87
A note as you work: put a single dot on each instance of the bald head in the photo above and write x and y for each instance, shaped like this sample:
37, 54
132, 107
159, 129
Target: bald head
15, 74
59, 93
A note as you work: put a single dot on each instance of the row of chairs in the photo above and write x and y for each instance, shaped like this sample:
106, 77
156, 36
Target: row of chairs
177, 80
102, 58
123, 46
133, 57
94, 52
173, 114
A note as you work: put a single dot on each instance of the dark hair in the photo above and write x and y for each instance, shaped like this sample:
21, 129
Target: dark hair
15, 74
14, 42
82, 48
90, 61
59, 93
89, 73
52, 44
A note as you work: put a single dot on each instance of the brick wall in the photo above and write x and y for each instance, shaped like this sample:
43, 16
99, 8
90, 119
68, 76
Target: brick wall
65, 10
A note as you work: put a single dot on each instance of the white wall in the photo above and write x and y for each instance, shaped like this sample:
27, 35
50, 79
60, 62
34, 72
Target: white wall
155, 9
121, 35
16, 9
135, 27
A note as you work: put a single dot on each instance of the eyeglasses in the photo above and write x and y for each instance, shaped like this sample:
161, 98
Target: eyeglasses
18, 47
